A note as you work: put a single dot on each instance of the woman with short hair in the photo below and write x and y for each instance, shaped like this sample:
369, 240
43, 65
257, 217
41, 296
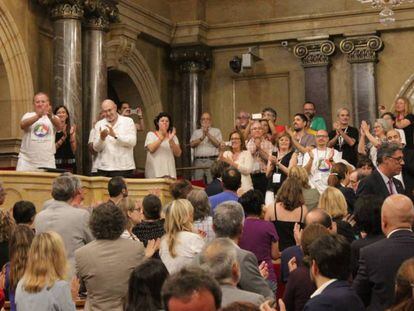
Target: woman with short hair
202, 213
43, 285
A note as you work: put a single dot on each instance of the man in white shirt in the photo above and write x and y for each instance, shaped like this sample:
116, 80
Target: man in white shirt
205, 142
38, 141
115, 139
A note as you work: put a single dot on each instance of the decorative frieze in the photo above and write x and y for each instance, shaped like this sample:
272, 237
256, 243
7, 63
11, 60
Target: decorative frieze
314, 53
64, 9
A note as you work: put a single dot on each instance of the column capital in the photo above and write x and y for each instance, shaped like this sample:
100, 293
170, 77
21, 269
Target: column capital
314, 53
192, 58
100, 13
64, 9
361, 49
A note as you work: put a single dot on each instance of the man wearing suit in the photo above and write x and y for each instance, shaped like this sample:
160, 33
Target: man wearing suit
330, 259
104, 265
60, 216
228, 223
379, 262
219, 257
381, 182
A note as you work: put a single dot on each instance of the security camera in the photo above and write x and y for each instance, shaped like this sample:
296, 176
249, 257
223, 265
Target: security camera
284, 43
236, 64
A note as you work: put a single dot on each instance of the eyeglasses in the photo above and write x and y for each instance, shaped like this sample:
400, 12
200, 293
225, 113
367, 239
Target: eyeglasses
399, 159
139, 210
321, 136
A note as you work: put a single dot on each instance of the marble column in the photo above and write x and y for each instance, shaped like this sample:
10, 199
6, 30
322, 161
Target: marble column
67, 69
98, 15
362, 55
315, 58
192, 63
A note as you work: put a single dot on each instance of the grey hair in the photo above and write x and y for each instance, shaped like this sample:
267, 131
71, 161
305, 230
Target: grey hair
228, 219
342, 108
63, 188
77, 183
384, 124
218, 258
200, 202
386, 150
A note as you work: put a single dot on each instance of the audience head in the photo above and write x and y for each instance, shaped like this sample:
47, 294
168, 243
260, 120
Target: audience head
284, 141
390, 159
63, 189
179, 189
310, 234
77, 184
333, 202
109, 109
401, 106
319, 216
217, 168
205, 120
191, 289
63, 113
24, 212
343, 114
132, 211
368, 214
107, 222
390, 118
6, 226
393, 136
300, 121
242, 119
290, 194
178, 217
124, 109
365, 165
330, 257
3, 193
231, 179
117, 186
404, 286
256, 129
339, 174
19, 245
219, 258
144, 288
269, 113
301, 175
228, 220
322, 138
252, 202
46, 262
151, 207
237, 141
354, 179
309, 110
397, 212
199, 199
41, 102
381, 127
163, 122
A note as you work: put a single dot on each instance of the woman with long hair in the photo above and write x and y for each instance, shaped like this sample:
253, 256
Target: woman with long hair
180, 244
20, 241
145, 283
43, 285
339, 178
6, 227
310, 195
404, 119
65, 141
239, 157
404, 287
288, 210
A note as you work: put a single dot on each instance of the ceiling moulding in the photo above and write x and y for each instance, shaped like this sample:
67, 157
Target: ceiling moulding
194, 32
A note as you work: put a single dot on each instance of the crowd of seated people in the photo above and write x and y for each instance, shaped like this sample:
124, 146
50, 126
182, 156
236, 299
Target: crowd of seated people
333, 209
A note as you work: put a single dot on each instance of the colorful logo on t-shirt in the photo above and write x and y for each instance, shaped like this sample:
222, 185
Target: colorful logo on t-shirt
324, 165
41, 130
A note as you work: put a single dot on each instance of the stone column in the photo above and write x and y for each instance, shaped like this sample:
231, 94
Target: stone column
362, 55
314, 56
98, 15
192, 63
67, 74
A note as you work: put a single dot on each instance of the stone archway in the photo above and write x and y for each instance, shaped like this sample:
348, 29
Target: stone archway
16, 64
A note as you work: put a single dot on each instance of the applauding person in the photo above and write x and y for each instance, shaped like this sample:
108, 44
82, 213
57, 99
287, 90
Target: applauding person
65, 141
162, 146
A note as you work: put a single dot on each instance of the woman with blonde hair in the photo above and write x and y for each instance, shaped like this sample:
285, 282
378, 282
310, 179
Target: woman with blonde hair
333, 202
404, 119
180, 244
43, 285
310, 195
133, 214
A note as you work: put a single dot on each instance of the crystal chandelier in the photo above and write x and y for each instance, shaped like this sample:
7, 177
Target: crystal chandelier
386, 6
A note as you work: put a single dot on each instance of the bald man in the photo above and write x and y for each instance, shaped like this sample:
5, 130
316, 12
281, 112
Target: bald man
115, 139
379, 262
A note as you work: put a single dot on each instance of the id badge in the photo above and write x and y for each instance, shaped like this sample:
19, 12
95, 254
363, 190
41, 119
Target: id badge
256, 166
340, 154
276, 178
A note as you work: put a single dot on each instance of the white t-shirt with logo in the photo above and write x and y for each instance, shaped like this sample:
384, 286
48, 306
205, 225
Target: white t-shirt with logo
38, 145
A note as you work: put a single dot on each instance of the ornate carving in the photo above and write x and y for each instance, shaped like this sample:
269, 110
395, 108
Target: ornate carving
192, 59
361, 49
125, 50
314, 53
100, 13
72, 9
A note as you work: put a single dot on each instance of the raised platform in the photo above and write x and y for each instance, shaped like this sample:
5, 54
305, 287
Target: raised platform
36, 187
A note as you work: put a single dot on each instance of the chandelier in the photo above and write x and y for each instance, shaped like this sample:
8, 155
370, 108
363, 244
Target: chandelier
386, 16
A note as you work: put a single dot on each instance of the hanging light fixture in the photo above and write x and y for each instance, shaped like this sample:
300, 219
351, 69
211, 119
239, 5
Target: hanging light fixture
386, 16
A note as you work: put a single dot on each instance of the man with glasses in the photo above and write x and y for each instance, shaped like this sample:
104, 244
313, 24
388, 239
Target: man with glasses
205, 142
318, 162
382, 182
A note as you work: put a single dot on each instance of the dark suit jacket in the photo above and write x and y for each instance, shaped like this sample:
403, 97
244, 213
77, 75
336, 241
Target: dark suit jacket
374, 184
378, 265
213, 188
337, 296
408, 172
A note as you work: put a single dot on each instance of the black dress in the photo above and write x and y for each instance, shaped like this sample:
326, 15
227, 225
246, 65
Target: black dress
284, 230
64, 156
271, 186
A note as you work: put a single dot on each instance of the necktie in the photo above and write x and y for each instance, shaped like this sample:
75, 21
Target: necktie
390, 183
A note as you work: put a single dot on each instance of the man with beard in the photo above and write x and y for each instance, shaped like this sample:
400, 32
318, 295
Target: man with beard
316, 123
344, 137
